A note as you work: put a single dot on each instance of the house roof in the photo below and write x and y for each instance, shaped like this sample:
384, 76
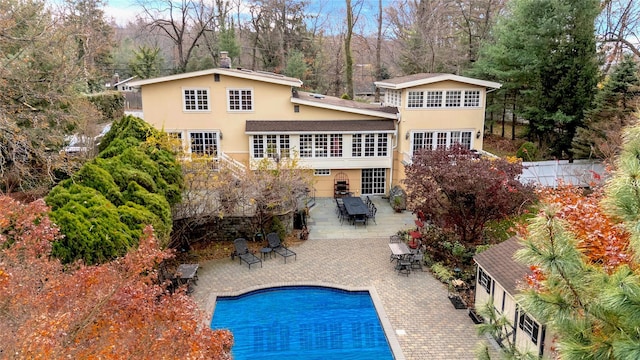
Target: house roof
308, 126
498, 262
428, 78
239, 73
124, 81
335, 103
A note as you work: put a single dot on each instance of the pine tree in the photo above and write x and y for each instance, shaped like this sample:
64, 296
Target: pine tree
545, 55
593, 308
614, 105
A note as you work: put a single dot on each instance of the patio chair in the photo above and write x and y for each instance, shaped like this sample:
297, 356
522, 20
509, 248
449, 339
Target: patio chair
278, 248
360, 219
403, 266
372, 213
242, 251
416, 260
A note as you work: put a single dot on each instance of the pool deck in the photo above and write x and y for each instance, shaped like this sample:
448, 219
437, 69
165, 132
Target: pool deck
426, 324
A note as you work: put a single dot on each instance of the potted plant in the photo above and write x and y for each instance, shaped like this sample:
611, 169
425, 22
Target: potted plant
397, 204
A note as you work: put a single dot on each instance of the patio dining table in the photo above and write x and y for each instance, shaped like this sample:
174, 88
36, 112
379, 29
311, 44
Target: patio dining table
355, 206
399, 249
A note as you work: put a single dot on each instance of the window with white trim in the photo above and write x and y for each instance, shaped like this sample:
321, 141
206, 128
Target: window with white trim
306, 146
461, 138
271, 146
374, 144
322, 172
203, 143
195, 99
452, 98
393, 97
484, 280
433, 99
240, 99
432, 140
472, 98
529, 326
320, 145
336, 145
443, 98
415, 99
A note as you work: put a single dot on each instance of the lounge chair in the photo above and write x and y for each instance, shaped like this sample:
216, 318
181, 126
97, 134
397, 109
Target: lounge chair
242, 251
278, 248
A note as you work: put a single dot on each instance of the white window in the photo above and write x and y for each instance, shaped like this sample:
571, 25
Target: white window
529, 326
415, 99
484, 280
440, 140
196, 99
240, 99
434, 99
393, 98
271, 146
372, 145
321, 145
322, 172
336, 145
452, 98
204, 143
472, 98
306, 146
356, 145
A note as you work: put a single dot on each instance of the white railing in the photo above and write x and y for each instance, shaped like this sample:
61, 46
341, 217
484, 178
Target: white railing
237, 168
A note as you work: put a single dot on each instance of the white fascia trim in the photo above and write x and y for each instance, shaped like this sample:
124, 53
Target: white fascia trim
392, 132
172, 77
345, 109
444, 77
251, 75
227, 72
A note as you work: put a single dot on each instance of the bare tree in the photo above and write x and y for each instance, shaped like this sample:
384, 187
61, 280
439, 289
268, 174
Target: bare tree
184, 22
618, 28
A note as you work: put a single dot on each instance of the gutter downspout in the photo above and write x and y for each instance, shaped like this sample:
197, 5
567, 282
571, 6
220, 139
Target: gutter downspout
395, 146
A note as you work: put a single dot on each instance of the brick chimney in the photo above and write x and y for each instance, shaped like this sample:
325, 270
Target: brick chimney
225, 60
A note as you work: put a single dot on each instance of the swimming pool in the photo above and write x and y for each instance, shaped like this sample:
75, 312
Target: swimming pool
302, 322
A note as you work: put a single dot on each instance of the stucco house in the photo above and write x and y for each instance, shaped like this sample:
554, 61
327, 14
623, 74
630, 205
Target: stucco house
498, 277
243, 115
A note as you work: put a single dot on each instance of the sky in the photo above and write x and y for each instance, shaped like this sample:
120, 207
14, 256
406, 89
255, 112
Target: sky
123, 11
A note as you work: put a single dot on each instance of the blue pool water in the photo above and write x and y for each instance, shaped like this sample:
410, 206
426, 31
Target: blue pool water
302, 322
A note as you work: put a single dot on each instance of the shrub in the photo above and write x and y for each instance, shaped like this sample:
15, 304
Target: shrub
528, 151
109, 103
91, 226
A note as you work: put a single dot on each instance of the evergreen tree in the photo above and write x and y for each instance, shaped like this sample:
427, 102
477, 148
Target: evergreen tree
146, 62
296, 65
614, 105
593, 306
545, 55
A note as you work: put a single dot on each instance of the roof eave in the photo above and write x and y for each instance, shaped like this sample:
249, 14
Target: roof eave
221, 71
345, 109
435, 79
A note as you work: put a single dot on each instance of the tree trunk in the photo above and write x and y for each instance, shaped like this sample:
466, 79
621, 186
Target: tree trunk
513, 117
347, 51
378, 46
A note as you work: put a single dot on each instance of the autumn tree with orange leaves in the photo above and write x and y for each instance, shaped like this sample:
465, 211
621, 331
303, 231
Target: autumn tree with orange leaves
584, 250
111, 311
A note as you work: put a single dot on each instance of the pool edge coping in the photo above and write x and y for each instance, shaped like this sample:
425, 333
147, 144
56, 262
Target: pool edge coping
392, 340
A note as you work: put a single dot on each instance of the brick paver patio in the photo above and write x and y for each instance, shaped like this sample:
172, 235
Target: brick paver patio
426, 324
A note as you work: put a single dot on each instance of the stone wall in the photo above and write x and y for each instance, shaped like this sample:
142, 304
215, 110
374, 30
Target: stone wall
229, 228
